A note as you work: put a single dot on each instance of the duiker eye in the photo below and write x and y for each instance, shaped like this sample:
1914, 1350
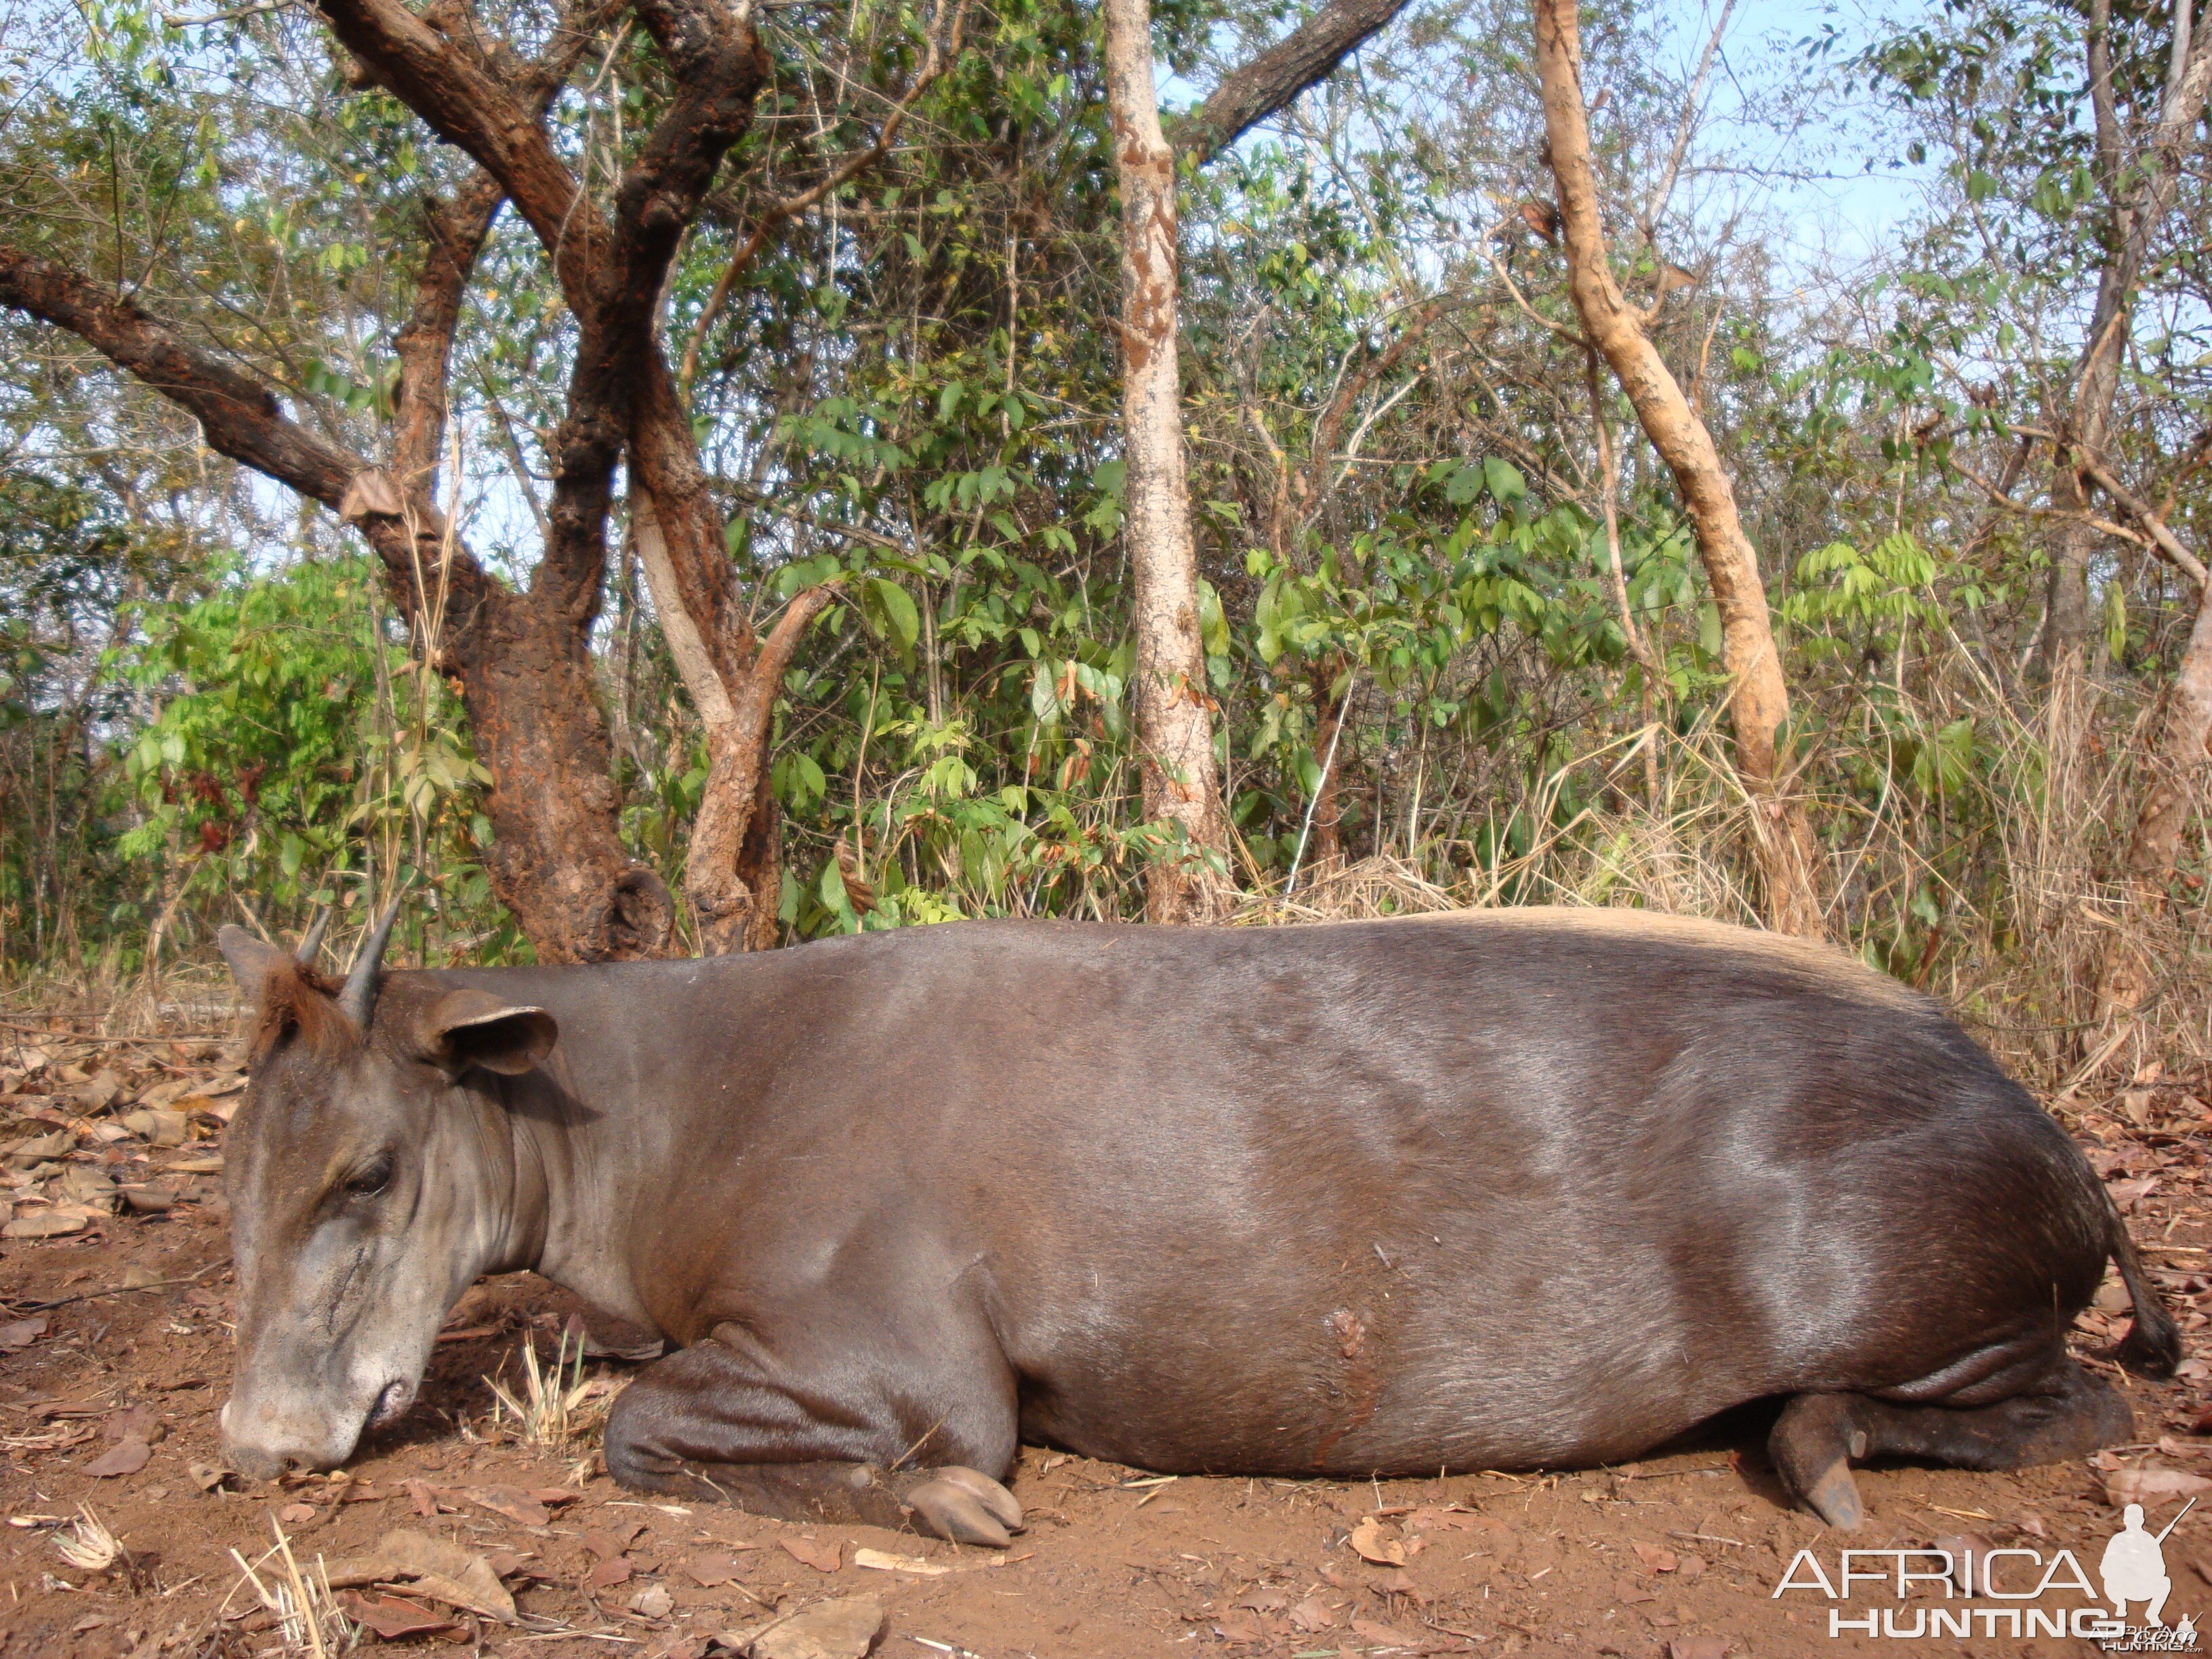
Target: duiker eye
372, 1178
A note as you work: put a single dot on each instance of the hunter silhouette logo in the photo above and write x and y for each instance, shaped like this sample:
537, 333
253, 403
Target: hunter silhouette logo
2134, 1567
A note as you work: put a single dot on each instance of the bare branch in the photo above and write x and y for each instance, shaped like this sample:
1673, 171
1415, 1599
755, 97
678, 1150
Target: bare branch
935, 61
1306, 56
1665, 187
2166, 543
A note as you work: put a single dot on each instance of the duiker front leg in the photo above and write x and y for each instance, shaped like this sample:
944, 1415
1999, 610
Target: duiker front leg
706, 1423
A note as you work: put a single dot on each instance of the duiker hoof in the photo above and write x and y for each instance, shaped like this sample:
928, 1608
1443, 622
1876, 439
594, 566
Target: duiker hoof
1835, 1498
966, 1507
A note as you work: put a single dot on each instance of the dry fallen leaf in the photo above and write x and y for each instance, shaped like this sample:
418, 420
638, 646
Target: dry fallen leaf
479, 1592
125, 1457
843, 1629
208, 1477
393, 1619
1237, 1625
296, 1515
612, 1539
162, 1129
1383, 1635
616, 1570
22, 1333
1369, 1544
824, 1555
653, 1602
1313, 1613
44, 1224
1655, 1558
711, 1571
1699, 1647
1401, 1582
2125, 1486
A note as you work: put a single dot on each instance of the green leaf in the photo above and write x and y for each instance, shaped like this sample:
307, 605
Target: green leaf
897, 610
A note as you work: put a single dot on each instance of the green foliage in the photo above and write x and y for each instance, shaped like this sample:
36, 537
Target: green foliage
274, 762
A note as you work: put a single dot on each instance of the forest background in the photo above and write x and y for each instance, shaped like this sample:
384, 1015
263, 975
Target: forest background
726, 517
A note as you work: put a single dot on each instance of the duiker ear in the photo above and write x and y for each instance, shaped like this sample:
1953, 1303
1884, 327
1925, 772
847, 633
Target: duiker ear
463, 1029
252, 960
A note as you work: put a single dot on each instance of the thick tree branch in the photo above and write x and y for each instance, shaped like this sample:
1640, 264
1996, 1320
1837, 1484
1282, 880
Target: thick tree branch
719, 69
730, 864
457, 230
238, 415
424, 345
458, 92
1251, 92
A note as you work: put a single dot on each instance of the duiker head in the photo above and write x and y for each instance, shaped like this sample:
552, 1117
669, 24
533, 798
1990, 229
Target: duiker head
371, 1179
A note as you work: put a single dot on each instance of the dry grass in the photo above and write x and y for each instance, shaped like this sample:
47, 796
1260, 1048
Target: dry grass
309, 1621
88, 1545
550, 1409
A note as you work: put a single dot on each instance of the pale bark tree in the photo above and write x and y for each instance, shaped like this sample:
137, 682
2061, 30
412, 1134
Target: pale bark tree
2138, 191
1759, 704
1181, 777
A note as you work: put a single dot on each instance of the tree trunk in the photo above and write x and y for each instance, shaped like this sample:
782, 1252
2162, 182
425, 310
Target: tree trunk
2137, 197
556, 859
2185, 724
732, 873
1175, 724
2058, 648
1329, 796
1759, 701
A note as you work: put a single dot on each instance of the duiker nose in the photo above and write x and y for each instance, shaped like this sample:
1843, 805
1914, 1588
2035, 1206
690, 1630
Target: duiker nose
262, 1444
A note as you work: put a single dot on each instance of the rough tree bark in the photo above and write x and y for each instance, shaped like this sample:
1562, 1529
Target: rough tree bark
2139, 192
523, 658
1760, 698
2183, 726
1180, 780
1175, 724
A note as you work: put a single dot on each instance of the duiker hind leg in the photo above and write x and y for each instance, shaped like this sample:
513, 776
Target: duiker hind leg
2067, 1413
706, 1422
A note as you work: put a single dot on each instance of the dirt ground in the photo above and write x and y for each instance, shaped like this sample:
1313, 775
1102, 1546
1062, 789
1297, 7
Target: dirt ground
115, 1355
